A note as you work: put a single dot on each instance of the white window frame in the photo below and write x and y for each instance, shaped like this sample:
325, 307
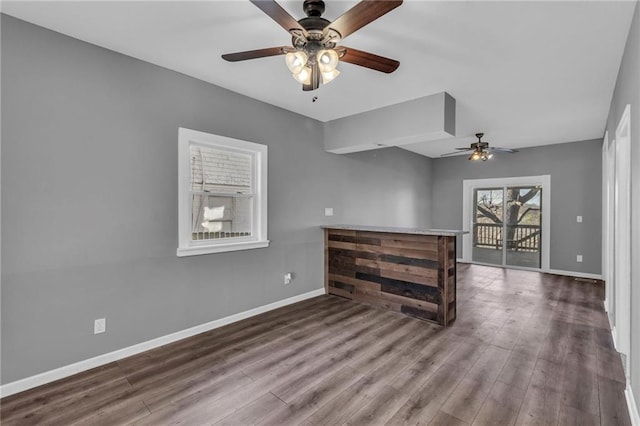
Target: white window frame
186, 245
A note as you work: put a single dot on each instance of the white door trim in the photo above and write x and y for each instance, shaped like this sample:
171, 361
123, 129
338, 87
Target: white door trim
622, 237
468, 185
608, 167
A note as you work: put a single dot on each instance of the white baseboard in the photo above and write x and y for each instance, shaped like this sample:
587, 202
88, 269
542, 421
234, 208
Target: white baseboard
546, 271
632, 405
574, 274
614, 336
68, 370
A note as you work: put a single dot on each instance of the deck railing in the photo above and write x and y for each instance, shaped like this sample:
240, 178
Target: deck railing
526, 238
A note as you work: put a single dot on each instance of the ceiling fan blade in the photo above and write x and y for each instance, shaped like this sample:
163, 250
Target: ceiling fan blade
369, 60
509, 150
281, 16
457, 152
254, 54
360, 15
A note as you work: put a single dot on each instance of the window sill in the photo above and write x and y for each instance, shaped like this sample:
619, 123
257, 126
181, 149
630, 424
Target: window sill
221, 248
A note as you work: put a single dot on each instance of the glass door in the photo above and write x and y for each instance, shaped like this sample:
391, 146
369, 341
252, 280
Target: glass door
507, 224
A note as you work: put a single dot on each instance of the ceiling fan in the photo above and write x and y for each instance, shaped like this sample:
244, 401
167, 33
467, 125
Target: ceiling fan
481, 150
314, 54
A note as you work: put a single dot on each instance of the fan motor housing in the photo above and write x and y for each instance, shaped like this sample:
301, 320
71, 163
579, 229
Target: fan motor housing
315, 26
314, 10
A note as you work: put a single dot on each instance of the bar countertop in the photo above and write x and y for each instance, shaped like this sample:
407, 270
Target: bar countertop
399, 230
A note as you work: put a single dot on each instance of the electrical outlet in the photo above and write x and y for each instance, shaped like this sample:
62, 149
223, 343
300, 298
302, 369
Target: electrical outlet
287, 278
579, 219
99, 326
328, 211
579, 258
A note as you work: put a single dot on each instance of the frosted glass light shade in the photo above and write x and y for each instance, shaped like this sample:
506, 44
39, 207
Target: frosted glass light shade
304, 76
296, 61
327, 60
329, 76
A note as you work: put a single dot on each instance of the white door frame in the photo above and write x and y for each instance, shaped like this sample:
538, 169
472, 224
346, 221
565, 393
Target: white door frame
468, 185
622, 237
608, 227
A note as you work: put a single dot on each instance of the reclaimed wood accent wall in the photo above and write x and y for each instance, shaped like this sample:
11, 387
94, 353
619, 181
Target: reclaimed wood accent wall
409, 273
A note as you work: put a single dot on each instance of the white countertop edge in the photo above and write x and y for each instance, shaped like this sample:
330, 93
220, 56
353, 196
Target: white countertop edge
399, 230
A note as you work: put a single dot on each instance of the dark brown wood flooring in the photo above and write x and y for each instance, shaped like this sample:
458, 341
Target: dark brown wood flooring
527, 348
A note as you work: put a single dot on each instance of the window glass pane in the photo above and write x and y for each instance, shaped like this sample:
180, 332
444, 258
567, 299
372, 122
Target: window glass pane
487, 225
215, 216
214, 173
220, 171
523, 226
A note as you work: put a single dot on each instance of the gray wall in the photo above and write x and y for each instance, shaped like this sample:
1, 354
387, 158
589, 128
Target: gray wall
576, 189
90, 205
627, 91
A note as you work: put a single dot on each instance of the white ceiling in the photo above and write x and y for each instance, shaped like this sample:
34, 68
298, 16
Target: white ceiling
526, 73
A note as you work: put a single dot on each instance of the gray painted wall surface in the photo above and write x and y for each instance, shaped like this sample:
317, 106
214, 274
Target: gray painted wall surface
576, 183
90, 205
627, 91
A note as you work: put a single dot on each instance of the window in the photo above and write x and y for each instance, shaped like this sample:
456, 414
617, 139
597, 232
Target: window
222, 193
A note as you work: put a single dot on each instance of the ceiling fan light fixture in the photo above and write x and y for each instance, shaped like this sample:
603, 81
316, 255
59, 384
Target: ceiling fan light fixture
327, 60
296, 61
480, 150
314, 53
329, 76
304, 76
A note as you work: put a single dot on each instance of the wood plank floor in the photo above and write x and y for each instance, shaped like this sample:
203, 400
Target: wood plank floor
526, 349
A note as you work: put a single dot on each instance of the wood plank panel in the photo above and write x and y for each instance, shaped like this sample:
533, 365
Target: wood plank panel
399, 251
411, 245
412, 278
343, 232
396, 267
369, 265
355, 282
341, 245
412, 307
396, 236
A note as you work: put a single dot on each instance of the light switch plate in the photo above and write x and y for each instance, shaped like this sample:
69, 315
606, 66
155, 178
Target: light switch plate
579, 219
99, 326
328, 211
